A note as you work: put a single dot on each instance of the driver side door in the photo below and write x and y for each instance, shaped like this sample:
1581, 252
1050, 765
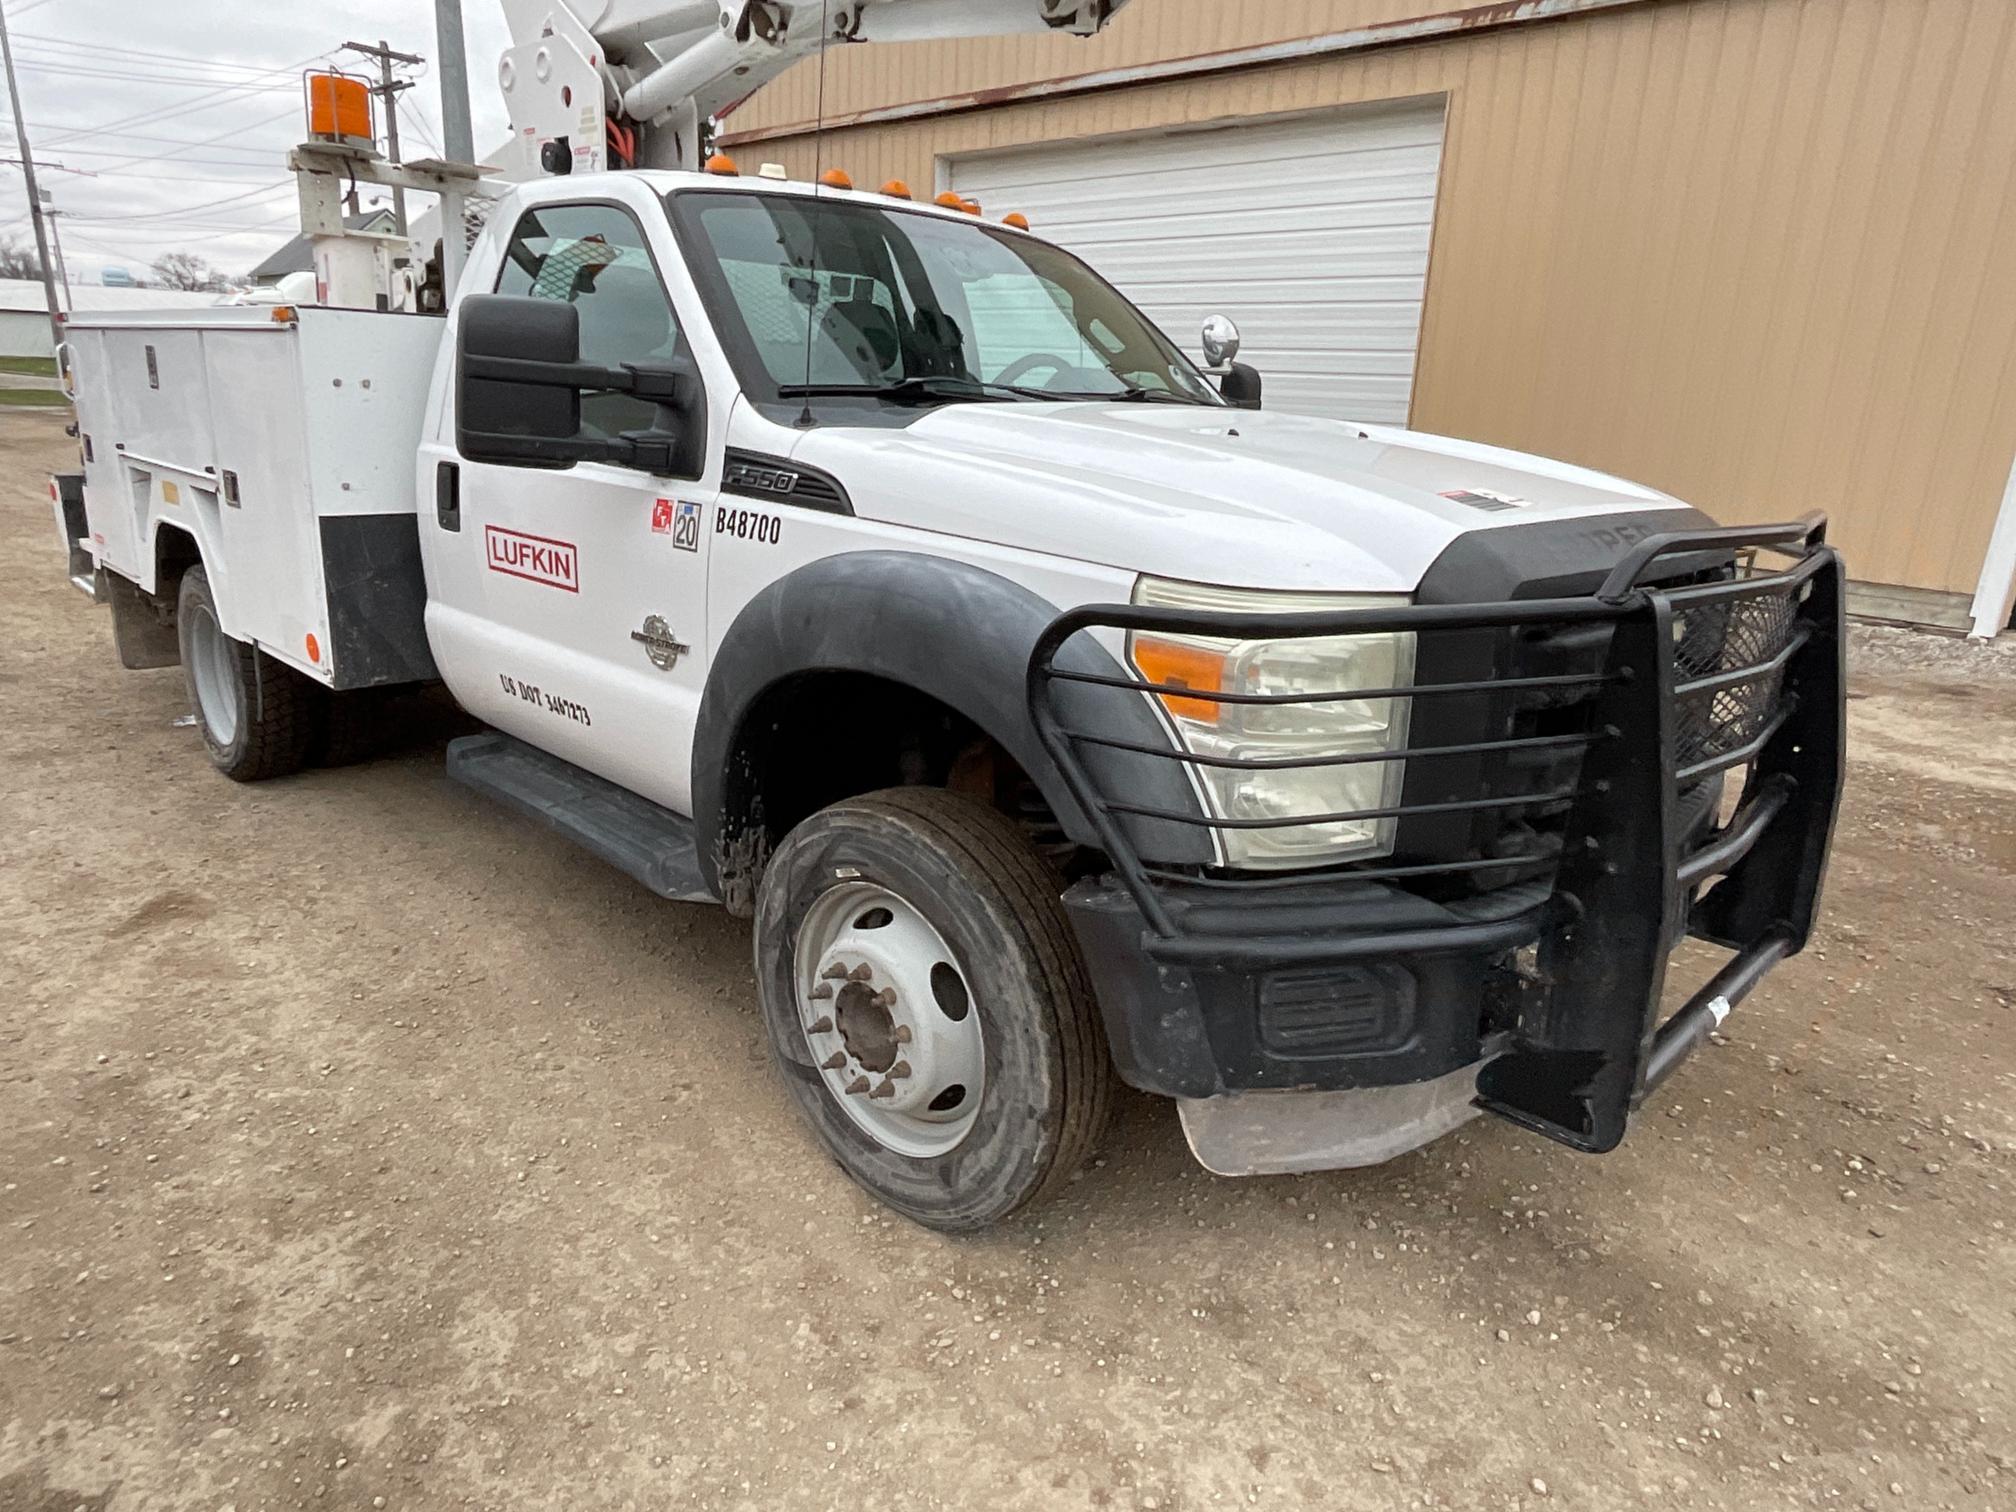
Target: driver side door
579, 592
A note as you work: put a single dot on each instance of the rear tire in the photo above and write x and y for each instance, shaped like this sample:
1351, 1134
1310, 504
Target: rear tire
353, 726
972, 974
257, 715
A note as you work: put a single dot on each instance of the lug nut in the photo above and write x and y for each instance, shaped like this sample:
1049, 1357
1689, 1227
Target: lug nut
857, 1086
887, 1089
862, 973
834, 973
822, 992
900, 1071
834, 1061
902, 1034
821, 1025
886, 997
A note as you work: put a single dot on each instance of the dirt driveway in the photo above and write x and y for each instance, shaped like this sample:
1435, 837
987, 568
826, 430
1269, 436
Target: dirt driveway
362, 1147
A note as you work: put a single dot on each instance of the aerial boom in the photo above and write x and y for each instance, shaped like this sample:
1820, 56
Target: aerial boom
597, 84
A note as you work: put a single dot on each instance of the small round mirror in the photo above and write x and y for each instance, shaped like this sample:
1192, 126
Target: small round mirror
1221, 340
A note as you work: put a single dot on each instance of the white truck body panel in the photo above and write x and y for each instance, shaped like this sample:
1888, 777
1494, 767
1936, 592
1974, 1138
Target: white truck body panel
296, 420
497, 632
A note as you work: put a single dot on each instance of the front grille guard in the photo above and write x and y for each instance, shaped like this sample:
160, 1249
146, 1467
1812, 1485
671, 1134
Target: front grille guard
1698, 679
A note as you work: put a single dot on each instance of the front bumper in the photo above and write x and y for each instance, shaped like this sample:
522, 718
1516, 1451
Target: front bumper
1536, 956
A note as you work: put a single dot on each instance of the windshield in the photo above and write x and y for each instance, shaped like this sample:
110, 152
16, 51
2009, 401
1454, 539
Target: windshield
819, 297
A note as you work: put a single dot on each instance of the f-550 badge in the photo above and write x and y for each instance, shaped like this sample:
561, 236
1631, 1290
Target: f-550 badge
659, 643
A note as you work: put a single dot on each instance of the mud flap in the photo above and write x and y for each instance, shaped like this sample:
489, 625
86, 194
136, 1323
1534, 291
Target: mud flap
143, 629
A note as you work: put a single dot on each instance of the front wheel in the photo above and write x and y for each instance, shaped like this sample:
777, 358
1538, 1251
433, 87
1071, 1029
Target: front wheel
927, 1007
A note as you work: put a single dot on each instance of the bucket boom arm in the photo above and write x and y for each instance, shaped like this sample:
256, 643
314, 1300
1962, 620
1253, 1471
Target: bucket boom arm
596, 84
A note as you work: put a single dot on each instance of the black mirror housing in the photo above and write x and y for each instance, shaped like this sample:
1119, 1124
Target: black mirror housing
518, 386
1241, 386
512, 420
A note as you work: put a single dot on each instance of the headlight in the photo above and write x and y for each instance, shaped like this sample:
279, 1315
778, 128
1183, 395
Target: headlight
1284, 732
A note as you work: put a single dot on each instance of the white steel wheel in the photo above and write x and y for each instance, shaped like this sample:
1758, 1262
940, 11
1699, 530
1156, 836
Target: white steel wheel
889, 1020
257, 717
213, 673
927, 1007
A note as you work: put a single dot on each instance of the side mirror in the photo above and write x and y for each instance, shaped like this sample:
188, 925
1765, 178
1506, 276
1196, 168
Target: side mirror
1241, 386
1221, 341
518, 385
512, 419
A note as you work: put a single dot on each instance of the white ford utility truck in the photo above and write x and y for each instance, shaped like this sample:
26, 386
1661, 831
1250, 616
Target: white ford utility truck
1054, 710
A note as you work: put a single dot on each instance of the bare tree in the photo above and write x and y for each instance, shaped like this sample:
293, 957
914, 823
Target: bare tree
18, 261
185, 270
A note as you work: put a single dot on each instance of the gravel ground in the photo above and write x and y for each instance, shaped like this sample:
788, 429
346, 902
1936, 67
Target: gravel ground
362, 1147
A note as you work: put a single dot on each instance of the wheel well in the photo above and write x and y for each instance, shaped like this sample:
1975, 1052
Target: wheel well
814, 739
175, 552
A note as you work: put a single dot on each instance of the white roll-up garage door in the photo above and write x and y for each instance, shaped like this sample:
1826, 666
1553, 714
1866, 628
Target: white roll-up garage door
1312, 233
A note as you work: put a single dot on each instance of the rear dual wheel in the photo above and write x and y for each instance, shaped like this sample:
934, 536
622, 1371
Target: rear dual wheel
258, 716
927, 1007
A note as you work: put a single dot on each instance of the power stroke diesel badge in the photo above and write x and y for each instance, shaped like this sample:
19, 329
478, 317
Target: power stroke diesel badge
659, 643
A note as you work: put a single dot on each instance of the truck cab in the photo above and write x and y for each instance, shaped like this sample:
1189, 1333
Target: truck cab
1055, 709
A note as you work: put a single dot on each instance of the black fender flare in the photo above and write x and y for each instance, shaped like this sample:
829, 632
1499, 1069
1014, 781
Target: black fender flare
956, 633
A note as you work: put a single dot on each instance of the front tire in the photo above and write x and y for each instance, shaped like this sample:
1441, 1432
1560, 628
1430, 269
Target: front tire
257, 715
927, 1007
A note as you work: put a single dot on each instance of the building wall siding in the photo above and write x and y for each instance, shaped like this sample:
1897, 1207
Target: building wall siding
1148, 31
1754, 252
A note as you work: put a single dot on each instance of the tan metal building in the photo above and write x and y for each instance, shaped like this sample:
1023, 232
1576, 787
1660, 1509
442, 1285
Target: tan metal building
1759, 253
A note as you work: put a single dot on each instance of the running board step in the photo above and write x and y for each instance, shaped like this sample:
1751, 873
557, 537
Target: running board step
632, 834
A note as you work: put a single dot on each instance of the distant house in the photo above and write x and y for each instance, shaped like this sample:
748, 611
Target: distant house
24, 310
297, 256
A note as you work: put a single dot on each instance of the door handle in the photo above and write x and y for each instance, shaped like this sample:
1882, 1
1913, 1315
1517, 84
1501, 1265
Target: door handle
448, 496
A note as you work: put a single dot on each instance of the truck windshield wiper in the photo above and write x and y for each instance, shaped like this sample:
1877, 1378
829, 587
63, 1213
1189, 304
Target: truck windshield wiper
935, 386
1136, 395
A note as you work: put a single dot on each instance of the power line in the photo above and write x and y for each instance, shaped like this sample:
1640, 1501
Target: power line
65, 69
115, 170
100, 49
230, 131
141, 136
187, 212
149, 117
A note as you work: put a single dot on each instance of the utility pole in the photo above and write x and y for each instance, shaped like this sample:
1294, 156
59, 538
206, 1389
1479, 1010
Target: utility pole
34, 194
389, 90
456, 138
454, 69
56, 240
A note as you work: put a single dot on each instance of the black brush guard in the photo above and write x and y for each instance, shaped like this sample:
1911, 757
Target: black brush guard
1742, 670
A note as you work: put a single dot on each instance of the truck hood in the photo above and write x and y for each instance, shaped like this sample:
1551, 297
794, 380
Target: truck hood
1235, 497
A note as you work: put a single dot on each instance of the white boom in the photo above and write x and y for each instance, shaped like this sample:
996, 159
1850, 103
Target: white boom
597, 84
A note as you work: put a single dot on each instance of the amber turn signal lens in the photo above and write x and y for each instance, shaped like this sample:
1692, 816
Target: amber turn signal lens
1176, 665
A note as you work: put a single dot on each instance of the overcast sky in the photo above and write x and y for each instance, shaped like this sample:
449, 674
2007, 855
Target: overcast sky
175, 116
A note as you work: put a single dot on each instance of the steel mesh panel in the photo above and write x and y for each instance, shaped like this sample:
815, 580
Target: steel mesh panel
1725, 636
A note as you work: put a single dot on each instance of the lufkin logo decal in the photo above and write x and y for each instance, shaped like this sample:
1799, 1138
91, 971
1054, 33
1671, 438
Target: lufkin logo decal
537, 559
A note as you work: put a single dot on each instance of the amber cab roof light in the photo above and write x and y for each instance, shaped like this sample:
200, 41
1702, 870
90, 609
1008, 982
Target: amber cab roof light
836, 178
723, 165
896, 189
